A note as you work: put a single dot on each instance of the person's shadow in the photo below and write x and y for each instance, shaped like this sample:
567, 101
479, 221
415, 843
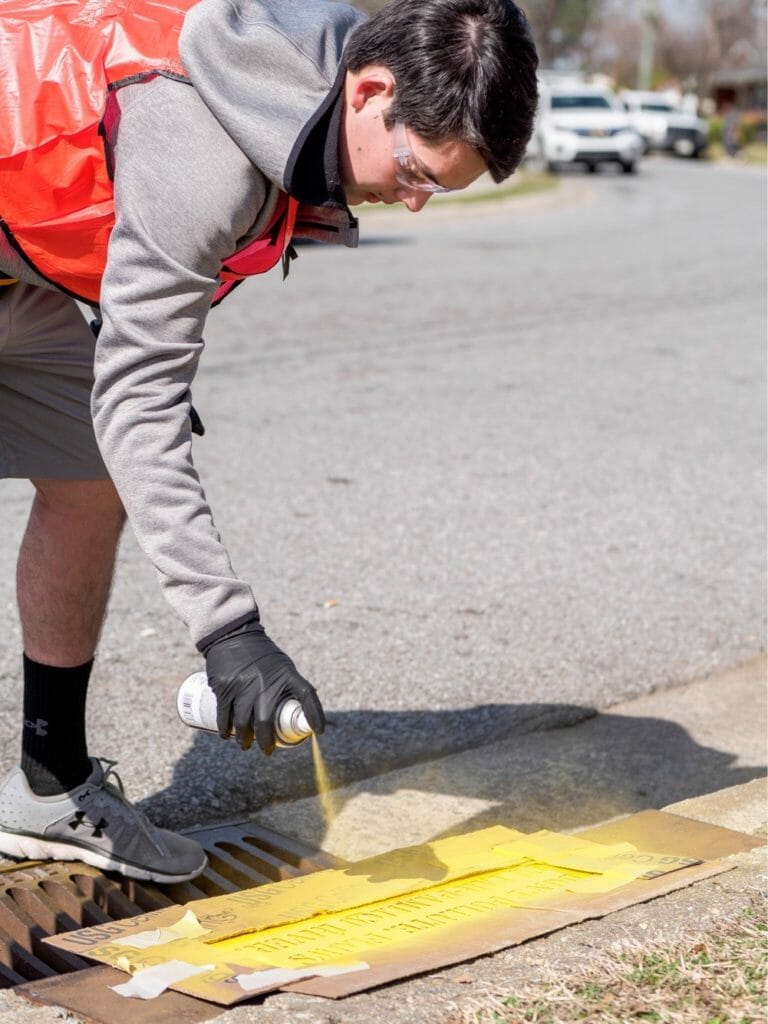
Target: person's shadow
562, 766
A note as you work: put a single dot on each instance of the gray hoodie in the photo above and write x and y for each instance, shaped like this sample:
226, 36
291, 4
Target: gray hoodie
198, 170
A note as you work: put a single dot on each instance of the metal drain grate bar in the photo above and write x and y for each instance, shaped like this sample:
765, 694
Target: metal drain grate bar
41, 899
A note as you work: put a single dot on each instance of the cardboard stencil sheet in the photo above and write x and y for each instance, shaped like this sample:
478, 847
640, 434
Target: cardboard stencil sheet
345, 929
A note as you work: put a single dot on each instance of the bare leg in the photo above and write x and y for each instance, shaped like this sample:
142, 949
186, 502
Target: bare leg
65, 566
64, 576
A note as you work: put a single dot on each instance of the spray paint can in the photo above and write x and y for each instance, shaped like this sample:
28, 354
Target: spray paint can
196, 705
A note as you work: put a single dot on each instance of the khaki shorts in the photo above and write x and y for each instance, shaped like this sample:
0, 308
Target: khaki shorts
46, 376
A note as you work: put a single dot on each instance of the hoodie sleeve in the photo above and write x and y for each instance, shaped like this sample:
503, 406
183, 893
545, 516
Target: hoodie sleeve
184, 195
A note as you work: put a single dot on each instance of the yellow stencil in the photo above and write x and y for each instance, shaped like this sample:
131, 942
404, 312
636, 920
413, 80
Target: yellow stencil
396, 903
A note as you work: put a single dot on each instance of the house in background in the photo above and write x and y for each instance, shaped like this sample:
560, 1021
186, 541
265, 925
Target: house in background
745, 87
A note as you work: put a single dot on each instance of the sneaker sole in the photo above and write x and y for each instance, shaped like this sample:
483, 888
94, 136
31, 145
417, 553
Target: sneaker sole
33, 848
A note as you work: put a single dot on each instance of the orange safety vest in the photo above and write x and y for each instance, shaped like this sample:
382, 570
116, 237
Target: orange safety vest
60, 69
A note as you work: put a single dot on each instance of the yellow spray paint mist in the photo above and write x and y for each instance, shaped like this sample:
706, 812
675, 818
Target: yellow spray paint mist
324, 789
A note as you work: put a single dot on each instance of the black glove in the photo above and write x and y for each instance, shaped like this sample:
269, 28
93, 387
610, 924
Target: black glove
251, 677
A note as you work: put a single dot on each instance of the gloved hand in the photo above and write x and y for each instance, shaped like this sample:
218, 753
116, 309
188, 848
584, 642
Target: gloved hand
251, 677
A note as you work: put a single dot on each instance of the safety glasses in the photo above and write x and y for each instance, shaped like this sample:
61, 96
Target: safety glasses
408, 171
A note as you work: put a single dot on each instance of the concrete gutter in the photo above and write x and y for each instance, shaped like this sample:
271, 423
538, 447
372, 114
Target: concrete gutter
660, 749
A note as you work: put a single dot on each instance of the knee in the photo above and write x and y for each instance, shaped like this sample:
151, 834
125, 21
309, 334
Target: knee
92, 500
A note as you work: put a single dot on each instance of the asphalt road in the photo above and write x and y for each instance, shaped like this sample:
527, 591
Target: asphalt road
500, 467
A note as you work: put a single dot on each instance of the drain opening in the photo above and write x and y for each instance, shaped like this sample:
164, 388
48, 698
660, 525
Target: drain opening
42, 899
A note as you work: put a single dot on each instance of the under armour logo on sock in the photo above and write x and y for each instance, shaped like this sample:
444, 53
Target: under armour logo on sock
38, 726
80, 819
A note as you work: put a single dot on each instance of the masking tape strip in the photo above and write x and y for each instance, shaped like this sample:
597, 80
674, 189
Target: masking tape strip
277, 976
187, 927
594, 858
607, 880
562, 850
153, 981
562, 841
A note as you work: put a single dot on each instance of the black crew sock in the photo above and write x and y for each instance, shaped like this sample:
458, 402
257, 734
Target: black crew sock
54, 755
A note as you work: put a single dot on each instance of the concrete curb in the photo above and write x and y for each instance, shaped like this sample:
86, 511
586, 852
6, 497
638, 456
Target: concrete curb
743, 808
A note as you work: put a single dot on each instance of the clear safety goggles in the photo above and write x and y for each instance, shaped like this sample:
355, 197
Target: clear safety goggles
408, 171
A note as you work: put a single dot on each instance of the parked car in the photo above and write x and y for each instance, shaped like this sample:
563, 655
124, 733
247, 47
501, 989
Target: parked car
583, 124
663, 125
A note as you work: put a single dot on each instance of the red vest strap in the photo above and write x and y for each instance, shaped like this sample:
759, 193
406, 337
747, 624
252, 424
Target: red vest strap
264, 252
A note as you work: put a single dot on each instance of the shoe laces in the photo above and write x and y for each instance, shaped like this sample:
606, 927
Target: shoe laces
107, 772
112, 785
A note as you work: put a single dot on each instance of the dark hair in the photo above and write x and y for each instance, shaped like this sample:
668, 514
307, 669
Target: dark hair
463, 69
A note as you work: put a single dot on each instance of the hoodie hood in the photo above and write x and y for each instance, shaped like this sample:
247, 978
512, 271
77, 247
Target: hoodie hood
269, 71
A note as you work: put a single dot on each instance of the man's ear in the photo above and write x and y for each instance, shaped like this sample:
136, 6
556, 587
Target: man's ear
370, 83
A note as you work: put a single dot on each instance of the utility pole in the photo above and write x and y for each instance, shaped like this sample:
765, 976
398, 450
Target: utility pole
648, 44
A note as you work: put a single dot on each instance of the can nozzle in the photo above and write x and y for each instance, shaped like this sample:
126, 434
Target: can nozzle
291, 725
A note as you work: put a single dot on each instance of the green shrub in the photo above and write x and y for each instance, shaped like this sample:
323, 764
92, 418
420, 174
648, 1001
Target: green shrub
752, 128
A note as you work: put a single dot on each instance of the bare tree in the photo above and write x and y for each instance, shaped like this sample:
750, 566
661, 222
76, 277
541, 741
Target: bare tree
724, 33
616, 49
729, 25
561, 26
685, 54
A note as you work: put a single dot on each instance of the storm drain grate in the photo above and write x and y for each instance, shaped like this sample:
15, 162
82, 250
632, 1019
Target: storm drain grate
38, 899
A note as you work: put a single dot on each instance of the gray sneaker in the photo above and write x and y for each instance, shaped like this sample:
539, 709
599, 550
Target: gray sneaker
93, 823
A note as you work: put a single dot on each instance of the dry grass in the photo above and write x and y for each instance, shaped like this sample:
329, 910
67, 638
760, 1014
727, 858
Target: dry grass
752, 153
525, 183
717, 978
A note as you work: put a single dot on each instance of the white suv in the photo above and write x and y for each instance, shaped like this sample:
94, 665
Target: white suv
584, 124
663, 125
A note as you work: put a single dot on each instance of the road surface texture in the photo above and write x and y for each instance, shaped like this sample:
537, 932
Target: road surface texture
498, 469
